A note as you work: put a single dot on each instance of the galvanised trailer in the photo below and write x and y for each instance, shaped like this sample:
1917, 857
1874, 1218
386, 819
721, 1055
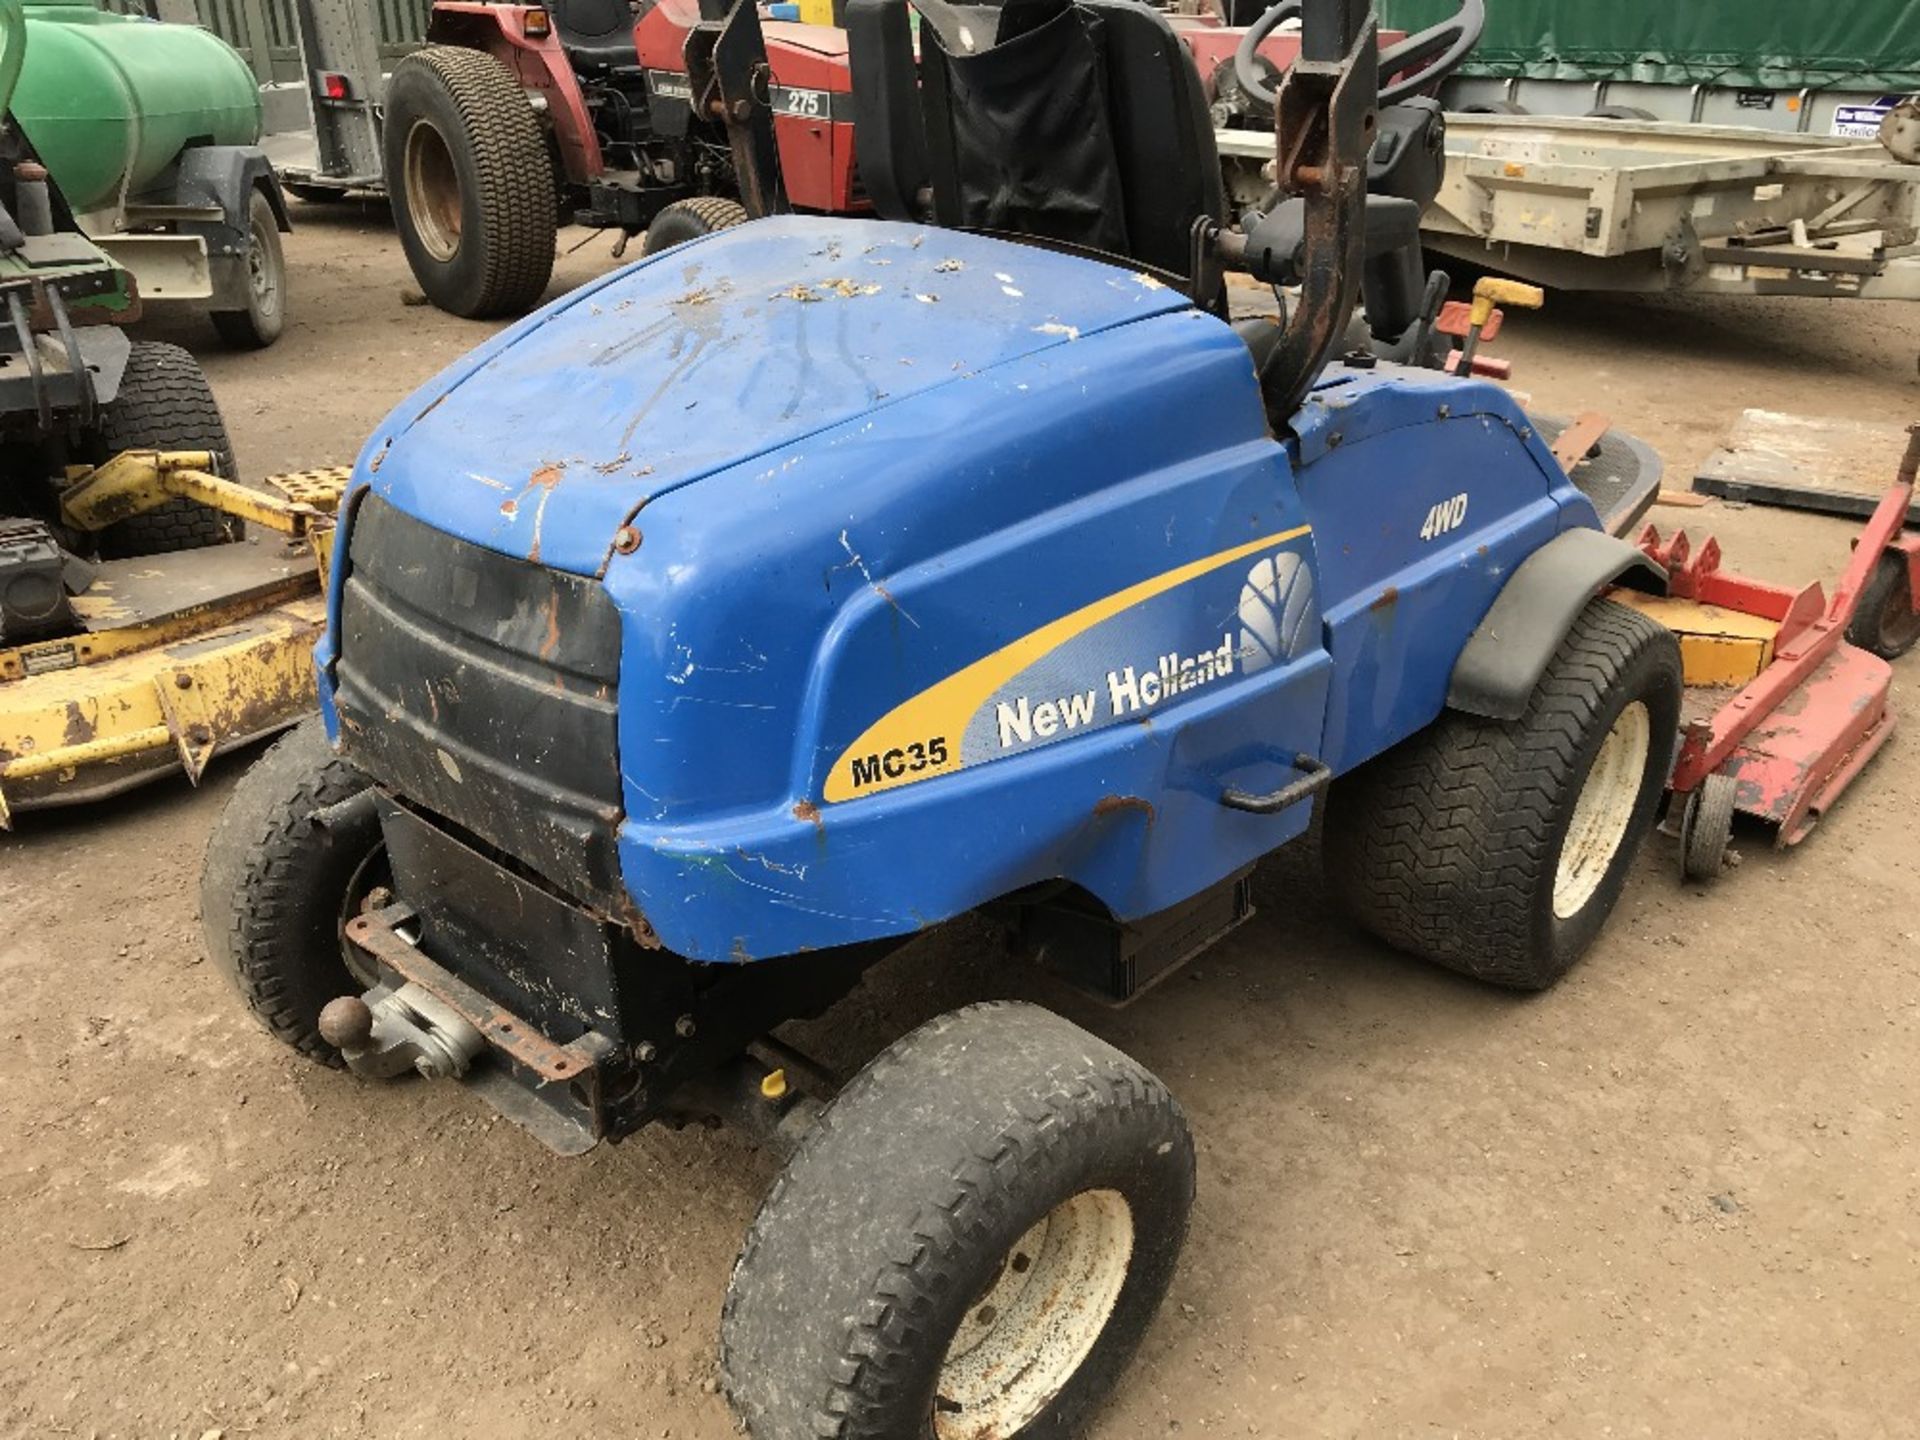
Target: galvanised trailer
1620, 205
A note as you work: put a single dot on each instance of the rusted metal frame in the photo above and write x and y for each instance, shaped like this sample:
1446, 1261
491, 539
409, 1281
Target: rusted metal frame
1709, 744
211, 702
1909, 546
577, 1063
1324, 123
741, 77
47, 762
136, 481
1882, 531
1805, 815
1854, 733
94, 647
1699, 577
88, 752
1794, 257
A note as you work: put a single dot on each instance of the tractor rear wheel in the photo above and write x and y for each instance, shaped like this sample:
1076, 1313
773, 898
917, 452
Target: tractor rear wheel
470, 180
686, 220
1498, 848
296, 851
970, 1242
165, 404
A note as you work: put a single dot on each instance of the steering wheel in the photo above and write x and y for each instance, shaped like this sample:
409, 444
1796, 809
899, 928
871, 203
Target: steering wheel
1418, 62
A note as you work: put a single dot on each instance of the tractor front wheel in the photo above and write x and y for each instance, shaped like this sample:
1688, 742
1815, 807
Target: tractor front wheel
296, 851
1498, 848
470, 181
970, 1242
686, 220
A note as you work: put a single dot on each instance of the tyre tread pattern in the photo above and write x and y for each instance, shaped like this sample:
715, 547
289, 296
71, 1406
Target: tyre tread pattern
1102, 1092
516, 186
257, 859
712, 212
1443, 846
165, 403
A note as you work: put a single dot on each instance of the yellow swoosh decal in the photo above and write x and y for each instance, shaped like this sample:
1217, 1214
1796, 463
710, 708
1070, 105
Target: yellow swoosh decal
942, 711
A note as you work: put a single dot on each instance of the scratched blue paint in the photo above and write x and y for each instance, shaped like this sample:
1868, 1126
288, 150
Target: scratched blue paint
848, 498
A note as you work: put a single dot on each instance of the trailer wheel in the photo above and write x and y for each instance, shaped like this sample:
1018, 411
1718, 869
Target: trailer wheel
265, 316
686, 220
1498, 848
296, 850
1706, 828
470, 182
1885, 623
1621, 112
970, 1242
165, 404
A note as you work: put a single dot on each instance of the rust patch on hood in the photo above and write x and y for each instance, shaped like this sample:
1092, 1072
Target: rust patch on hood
1114, 804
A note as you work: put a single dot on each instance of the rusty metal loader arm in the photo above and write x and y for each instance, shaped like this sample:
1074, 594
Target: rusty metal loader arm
1315, 235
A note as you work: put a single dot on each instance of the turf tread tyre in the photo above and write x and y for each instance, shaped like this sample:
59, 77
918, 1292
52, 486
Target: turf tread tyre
1447, 845
165, 403
686, 220
275, 880
935, 1159
505, 257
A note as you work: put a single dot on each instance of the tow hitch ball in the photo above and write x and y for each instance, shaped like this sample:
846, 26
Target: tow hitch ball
388, 1031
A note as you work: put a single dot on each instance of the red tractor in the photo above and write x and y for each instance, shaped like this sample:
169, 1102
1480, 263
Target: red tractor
514, 119
673, 117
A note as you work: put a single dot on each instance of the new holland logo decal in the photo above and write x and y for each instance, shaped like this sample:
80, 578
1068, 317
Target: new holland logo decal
1083, 672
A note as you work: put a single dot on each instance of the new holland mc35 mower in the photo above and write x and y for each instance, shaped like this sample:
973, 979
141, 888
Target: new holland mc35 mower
717, 629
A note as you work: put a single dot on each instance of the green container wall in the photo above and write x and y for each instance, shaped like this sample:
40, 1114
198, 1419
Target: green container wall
1759, 44
110, 98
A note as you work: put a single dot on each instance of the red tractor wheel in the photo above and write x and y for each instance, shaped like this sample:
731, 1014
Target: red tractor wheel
470, 180
686, 220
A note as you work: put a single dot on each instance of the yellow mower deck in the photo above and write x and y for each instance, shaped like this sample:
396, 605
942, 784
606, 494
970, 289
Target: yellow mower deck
179, 656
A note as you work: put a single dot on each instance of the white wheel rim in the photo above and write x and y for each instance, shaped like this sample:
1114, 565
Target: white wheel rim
1035, 1325
1603, 811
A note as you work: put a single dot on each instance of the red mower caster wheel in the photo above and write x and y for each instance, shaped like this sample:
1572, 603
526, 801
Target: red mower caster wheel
1706, 828
1885, 622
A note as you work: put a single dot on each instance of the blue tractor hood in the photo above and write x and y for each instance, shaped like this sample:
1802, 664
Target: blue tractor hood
544, 442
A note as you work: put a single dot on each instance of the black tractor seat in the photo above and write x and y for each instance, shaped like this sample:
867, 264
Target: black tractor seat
596, 34
1076, 122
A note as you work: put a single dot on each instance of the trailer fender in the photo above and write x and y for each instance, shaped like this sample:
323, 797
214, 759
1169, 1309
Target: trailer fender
1508, 652
227, 176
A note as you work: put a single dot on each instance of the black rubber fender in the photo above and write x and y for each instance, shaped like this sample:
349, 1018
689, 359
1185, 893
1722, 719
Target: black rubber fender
1508, 651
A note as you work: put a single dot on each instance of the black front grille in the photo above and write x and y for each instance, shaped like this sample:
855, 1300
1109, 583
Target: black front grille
482, 688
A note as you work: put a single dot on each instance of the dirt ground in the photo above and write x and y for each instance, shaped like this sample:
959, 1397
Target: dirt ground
1677, 1196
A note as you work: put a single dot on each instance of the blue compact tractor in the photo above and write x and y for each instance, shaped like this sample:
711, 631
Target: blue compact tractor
726, 624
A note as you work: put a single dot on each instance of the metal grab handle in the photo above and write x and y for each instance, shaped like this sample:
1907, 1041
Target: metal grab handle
1315, 775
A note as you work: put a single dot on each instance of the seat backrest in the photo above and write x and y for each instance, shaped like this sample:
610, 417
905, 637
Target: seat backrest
1076, 121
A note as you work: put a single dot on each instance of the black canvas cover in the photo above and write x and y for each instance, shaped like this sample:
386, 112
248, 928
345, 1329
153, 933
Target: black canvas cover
1029, 69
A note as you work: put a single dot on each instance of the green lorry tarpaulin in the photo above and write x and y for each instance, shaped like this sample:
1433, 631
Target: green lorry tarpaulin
1761, 44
